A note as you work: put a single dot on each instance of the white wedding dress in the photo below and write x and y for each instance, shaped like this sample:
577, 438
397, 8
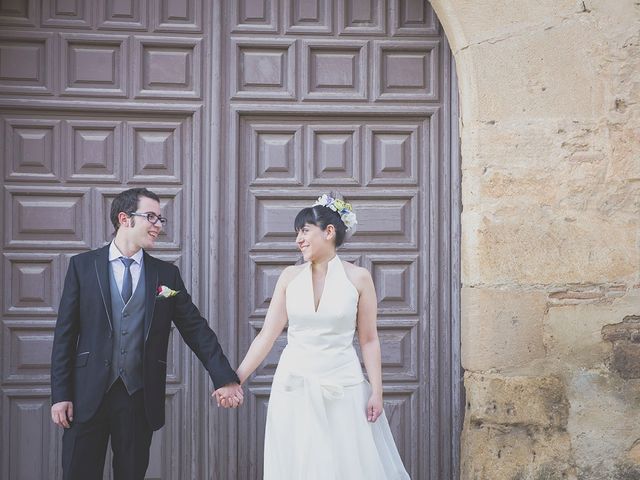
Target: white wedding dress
316, 421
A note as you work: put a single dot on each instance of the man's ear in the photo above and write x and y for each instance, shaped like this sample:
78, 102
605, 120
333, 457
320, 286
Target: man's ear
123, 219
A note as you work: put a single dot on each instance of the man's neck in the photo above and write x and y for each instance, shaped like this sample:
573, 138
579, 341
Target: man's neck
127, 249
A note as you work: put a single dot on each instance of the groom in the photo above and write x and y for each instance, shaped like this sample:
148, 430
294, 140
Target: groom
109, 359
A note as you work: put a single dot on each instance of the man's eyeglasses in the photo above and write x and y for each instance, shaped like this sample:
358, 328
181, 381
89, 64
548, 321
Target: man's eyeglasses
152, 218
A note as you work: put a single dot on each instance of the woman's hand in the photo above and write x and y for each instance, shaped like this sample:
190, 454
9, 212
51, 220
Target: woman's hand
374, 407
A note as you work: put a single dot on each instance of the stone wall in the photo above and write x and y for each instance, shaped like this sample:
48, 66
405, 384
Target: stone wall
550, 137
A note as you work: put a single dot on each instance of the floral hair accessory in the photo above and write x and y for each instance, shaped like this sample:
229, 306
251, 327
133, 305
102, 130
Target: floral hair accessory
165, 292
341, 207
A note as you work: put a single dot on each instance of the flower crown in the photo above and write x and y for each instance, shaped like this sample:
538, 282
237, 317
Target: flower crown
341, 207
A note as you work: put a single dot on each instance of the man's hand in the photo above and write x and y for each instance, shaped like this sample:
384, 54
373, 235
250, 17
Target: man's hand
62, 414
229, 396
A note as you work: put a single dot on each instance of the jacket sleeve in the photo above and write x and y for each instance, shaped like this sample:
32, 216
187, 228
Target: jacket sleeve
200, 338
65, 338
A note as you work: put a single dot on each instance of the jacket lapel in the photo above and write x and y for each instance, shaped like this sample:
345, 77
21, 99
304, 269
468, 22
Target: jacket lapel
102, 273
151, 286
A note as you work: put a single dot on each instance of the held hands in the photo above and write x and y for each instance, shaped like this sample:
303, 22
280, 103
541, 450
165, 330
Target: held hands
374, 407
229, 396
62, 414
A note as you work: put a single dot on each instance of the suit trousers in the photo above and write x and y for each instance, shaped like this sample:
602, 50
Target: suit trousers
120, 416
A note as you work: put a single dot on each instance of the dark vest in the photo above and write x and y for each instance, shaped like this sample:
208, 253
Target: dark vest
128, 333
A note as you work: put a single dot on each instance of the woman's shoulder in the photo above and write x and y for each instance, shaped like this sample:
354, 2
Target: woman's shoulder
359, 276
289, 273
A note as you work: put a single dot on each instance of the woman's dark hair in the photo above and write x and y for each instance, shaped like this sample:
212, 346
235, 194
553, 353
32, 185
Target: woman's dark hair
127, 202
321, 217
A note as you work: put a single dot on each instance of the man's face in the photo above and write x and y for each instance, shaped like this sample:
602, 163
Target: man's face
139, 231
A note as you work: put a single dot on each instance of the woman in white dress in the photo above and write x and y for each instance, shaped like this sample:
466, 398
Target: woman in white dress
324, 420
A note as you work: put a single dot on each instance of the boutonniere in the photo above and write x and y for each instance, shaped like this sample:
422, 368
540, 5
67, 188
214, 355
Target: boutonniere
165, 292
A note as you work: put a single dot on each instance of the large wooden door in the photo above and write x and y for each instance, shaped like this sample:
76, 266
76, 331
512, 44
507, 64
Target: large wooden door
238, 113
96, 96
354, 95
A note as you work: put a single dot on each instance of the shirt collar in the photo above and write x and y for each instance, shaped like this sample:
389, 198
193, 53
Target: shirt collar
115, 254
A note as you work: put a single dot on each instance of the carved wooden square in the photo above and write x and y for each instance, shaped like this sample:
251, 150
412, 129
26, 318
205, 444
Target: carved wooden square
397, 284
123, 14
335, 70
28, 410
264, 272
362, 17
271, 217
31, 149
94, 151
19, 13
401, 406
395, 153
413, 18
275, 152
254, 16
95, 65
179, 16
170, 208
406, 70
167, 67
264, 69
308, 16
27, 350
32, 283
26, 63
69, 13
157, 150
334, 151
45, 217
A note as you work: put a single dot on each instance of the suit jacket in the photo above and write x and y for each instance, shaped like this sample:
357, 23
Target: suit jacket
82, 344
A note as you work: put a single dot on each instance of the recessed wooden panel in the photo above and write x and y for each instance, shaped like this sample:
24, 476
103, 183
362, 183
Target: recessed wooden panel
406, 71
19, 13
334, 152
395, 153
386, 220
179, 16
94, 65
414, 17
276, 152
396, 281
308, 16
166, 456
264, 69
335, 70
93, 150
170, 208
26, 62
67, 13
27, 351
158, 150
401, 407
29, 436
123, 14
31, 149
33, 284
362, 17
167, 67
47, 217
265, 271
254, 16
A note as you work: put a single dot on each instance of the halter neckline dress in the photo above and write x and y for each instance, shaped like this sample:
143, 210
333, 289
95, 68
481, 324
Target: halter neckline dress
316, 420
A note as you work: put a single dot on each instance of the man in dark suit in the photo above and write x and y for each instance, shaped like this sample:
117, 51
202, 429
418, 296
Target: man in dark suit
109, 359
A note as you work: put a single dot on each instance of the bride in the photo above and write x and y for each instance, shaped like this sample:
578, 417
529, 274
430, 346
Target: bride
324, 420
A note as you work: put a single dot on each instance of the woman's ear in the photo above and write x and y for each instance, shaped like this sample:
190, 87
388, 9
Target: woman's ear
330, 232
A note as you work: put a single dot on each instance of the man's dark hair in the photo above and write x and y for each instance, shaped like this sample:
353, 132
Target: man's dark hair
127, 202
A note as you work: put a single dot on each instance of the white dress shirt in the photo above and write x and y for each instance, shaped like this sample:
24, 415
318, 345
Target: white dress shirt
118, 267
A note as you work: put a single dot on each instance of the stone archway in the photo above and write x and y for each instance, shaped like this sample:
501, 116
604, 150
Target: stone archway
550, 137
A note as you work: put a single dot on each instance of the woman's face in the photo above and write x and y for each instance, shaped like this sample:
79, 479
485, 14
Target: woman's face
314, 242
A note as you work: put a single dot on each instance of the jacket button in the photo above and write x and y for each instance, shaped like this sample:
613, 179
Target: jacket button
107, 363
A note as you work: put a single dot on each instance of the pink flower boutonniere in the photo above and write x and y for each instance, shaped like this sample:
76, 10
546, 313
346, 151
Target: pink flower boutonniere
165, 292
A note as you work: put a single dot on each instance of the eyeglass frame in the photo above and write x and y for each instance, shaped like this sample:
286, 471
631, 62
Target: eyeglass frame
159, 218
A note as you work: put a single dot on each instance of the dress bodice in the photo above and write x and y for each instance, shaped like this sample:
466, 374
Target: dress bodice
322, 340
